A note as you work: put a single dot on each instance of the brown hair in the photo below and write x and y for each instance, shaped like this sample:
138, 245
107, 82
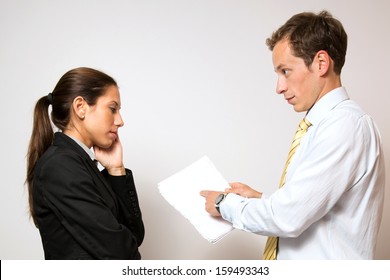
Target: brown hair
309, 33
85, 82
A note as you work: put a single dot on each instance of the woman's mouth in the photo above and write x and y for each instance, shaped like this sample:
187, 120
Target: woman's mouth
114, 134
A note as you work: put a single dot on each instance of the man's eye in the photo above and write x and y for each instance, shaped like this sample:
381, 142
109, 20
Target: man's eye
285, 71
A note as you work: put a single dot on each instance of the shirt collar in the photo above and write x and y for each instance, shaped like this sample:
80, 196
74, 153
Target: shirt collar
325, 104
85, 148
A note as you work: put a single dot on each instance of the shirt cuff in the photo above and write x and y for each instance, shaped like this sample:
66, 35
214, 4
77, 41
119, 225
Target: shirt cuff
231, 209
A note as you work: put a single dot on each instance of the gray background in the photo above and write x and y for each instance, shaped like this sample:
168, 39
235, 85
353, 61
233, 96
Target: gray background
196, 79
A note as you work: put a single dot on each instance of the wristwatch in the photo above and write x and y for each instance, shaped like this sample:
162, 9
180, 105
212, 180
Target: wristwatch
219, 200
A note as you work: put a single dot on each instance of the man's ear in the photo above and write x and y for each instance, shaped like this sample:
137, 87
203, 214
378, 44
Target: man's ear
79, 107
324, 62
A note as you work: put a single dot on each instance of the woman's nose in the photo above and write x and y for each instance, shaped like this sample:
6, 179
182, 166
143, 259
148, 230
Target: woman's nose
119, 121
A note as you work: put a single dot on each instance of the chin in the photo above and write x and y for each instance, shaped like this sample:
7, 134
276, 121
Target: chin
106, 145
299, 109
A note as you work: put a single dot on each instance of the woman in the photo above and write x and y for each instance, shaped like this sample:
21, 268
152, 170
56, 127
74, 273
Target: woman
81, 212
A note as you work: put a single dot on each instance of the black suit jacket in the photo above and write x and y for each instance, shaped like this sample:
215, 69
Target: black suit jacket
83, 213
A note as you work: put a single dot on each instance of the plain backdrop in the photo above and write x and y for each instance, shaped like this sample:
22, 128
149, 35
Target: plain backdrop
196, 79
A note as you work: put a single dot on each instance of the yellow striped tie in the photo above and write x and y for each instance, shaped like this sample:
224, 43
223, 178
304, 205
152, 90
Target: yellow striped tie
271, 246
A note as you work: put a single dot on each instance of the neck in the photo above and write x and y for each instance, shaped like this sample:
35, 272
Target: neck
329, 84
74, 132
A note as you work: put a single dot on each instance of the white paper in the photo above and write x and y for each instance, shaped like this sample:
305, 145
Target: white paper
182, 189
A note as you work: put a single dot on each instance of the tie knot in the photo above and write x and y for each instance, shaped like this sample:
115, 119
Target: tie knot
304, 124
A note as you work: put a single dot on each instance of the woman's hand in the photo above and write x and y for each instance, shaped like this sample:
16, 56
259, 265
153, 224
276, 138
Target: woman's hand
111, 158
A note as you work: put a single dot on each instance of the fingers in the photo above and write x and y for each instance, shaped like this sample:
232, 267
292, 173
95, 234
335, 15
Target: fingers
236, 185
243, 190
210, 197
229, 190
236, 188
204, 193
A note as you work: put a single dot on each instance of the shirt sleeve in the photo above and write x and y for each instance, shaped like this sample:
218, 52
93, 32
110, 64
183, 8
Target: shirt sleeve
330, 163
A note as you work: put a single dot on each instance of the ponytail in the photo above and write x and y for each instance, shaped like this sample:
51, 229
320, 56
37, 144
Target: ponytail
41, 138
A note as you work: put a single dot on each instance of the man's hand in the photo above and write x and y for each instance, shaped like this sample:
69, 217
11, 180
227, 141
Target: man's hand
243, 190
237, 188
210, 197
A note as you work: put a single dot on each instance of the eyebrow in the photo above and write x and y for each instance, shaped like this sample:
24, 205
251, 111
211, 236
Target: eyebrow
280, 66
115, 103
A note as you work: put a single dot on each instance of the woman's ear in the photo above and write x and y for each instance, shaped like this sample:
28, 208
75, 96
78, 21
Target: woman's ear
79, 107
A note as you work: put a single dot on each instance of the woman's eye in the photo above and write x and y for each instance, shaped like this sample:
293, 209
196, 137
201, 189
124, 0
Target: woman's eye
113, 110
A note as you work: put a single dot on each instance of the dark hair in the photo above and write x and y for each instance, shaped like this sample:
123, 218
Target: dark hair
85, 82
309, 33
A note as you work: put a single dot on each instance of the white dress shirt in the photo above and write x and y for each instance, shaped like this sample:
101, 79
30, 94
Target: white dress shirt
331, 204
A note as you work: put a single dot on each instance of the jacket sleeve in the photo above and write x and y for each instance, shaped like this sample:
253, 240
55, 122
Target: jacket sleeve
88, 210
130, 212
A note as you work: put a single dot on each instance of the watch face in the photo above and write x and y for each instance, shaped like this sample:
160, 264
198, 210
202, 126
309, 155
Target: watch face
219, 198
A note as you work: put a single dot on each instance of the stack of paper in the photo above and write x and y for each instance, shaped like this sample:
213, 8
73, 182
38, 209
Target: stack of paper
182, 191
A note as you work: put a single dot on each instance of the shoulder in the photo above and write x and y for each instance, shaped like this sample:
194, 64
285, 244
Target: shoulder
346, 116
63, 152
59, 163
58, 155
347, 124
60, 173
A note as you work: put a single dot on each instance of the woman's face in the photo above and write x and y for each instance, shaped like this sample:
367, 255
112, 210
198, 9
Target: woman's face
102, 120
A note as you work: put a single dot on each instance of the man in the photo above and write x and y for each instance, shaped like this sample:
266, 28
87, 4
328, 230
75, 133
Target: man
330, 200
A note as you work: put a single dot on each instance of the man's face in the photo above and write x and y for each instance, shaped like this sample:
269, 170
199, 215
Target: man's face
298, 83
